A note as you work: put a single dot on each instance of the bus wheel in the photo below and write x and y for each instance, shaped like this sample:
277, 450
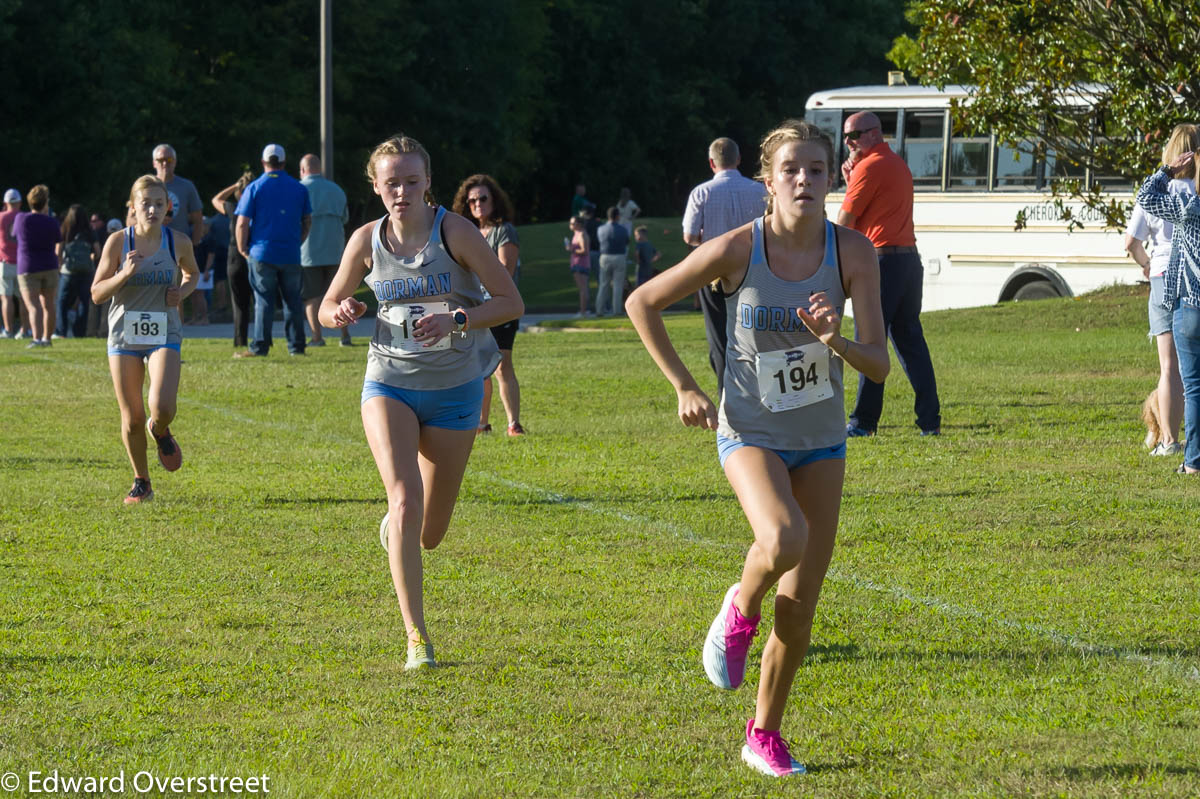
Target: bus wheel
1036, 290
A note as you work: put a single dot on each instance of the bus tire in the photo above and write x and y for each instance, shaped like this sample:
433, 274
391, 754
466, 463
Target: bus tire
1036, 290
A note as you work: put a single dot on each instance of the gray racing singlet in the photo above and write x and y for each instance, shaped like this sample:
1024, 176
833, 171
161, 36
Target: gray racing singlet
783, 387
407, 289
140, 318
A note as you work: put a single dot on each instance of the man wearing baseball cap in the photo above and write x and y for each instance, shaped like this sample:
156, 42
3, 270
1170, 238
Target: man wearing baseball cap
10, 306
273, 217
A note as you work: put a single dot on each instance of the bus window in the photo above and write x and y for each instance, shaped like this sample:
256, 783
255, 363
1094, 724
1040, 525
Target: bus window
969, 162
1015, 167
923, 132
830, 123
1060, 168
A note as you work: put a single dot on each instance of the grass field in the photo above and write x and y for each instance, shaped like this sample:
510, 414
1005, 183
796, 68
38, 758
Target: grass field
1012, 609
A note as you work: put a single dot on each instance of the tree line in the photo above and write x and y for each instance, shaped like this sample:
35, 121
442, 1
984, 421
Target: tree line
542, 94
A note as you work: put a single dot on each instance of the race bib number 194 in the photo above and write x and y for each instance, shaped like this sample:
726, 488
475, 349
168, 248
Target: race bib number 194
145, 328
794, 378
400, 320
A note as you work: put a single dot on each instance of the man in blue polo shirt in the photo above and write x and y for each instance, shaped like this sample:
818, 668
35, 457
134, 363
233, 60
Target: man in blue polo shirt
273, 218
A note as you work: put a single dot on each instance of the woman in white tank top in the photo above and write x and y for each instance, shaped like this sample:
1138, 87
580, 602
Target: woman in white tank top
426, 363
140, 271
790, 497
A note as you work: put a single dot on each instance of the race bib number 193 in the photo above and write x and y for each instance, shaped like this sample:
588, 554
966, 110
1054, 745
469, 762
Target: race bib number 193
400, 319
145, 328
794, 378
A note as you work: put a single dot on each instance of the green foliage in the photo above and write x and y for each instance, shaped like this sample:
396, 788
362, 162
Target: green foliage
1027, 61
540, 93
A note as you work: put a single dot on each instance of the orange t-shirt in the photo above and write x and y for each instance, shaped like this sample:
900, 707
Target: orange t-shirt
880, 195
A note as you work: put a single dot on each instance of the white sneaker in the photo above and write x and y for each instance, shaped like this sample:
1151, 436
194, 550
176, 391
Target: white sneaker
1174, 448
4, 333
20, 335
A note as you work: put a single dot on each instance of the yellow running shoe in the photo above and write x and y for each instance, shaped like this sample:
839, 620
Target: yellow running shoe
420, 656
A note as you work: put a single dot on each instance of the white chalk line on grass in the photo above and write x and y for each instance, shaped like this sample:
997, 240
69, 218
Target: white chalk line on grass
1173, 665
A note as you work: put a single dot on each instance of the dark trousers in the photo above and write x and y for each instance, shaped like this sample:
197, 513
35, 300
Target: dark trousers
241, 296
900, 284
712, 304
73, 287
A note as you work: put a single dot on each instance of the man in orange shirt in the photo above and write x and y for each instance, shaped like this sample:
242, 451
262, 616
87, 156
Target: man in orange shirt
878, 204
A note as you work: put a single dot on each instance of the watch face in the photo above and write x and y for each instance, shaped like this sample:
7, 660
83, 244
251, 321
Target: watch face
460, 318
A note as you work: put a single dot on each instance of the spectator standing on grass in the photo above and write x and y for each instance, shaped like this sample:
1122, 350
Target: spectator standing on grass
1147, 227
628, 210
146, 270
426, 362
273, 219
1181, 288
781, 425
878, 204
321, 252
580, 201
480, 199
646, 254
38, 236
727, 201
77, 252
237, 271
580, 248
187, 211
11, 307
592, 225
95, 322
216, 245
614, 247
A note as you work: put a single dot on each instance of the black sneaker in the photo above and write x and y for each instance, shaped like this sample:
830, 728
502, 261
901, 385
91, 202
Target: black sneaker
141, 492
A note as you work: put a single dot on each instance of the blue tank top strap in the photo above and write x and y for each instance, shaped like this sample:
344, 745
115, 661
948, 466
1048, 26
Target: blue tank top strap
168, 238
758, 253
128, 242
435, 237
830, 244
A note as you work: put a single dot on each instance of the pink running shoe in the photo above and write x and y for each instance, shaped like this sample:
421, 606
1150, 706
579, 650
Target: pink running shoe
728, 642
168, 448
766, 751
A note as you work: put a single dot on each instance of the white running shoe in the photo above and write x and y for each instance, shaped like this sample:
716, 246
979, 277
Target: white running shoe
1174, 448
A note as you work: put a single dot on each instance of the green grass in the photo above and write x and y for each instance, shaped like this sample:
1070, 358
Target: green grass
1012, 608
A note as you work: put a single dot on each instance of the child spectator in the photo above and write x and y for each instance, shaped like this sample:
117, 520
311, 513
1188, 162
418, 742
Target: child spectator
646, 254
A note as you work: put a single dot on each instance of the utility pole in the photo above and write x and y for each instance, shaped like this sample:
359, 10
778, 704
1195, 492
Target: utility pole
327, 88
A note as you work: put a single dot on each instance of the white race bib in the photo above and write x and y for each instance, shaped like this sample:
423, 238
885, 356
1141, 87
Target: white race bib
794, 378
400, 319
144, 328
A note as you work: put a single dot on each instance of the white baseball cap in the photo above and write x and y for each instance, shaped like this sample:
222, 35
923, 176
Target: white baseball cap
273, 151
12, 196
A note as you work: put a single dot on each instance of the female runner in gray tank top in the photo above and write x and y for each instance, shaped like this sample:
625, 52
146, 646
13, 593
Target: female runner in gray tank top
146, 270
781, 426
427, 361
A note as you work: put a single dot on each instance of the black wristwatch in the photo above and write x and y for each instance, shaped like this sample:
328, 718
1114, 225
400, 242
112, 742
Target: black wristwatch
460, 321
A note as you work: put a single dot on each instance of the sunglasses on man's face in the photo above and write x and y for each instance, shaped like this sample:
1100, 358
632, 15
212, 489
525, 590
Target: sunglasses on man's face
855, 135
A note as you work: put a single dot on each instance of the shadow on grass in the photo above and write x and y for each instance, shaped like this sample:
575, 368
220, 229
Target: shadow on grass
1122, 771
28, 462
281, 502
832, 653
517, 497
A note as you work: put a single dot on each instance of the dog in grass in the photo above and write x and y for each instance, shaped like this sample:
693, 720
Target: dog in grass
1154, 425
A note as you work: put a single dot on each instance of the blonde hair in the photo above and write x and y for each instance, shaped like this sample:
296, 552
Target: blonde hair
790, 130
1184, 138
641, 229
399, 145
38, 196
145, 183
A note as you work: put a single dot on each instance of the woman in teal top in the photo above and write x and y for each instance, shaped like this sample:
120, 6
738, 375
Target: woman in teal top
146, 270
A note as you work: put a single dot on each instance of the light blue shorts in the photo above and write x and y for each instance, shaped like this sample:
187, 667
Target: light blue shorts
143, 353
792, 458
454, 408
1160, 317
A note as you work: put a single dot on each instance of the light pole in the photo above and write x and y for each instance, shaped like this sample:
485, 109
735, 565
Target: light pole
327, 88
